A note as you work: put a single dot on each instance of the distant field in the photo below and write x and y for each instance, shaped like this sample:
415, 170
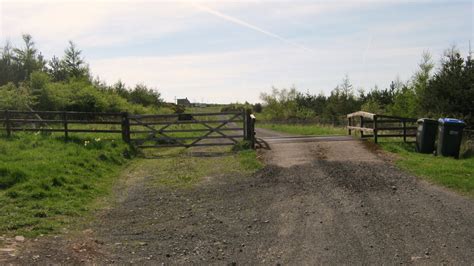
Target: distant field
209, 109
319, 130
457, 174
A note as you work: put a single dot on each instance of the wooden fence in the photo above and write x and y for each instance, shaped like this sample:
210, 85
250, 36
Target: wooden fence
381, 126
139, 130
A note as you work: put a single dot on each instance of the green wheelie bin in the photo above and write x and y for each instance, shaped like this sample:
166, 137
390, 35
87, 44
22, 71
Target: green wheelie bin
426, 135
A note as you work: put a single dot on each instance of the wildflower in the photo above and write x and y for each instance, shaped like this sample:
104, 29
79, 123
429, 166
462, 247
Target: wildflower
86, 142
97, 139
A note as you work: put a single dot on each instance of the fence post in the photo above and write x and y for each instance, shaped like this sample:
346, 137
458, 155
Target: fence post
244, 112
125, 127
375, 129
252, 131
362, 126
249, 127
66, 133
7, 123
404, 131
349, 124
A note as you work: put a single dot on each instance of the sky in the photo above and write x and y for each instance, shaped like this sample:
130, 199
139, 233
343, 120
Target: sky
231, 51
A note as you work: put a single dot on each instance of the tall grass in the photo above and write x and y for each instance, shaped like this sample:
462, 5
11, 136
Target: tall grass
45, 182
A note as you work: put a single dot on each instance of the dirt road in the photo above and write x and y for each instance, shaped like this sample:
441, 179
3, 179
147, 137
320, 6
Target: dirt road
322, 200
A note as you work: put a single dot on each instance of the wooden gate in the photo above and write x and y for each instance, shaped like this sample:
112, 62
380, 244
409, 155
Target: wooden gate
189, 130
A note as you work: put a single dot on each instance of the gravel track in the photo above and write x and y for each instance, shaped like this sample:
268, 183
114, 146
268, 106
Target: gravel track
325, 201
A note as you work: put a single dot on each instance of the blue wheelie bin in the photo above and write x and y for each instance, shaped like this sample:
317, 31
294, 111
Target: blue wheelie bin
449, 136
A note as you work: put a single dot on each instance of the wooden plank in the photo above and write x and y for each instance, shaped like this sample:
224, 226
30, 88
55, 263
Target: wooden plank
363, 114
186, 146
177, 115
395, 135
177, 122
393, 121
68, 112
187, 138
62, 130
365, 129
398, 117
397, 128
185, 130
92, 122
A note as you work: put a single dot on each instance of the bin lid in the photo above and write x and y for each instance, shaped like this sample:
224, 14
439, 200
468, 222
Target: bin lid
427, 120
450, 121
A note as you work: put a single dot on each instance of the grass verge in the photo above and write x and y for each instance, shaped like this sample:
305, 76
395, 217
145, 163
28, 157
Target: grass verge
180, 168
46, 183
299, 129
457, 174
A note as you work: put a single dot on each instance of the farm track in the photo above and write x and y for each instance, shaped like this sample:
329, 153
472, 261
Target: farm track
326, 201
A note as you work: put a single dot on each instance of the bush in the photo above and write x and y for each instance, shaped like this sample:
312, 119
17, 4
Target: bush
242, 145
13, 97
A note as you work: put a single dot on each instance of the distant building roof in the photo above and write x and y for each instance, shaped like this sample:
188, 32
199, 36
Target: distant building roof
184, 101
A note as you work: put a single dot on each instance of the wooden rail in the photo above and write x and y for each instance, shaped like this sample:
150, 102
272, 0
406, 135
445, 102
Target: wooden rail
381, 126
138, 129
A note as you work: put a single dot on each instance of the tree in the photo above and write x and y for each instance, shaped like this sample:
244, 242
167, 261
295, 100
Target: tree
448, 92
28, 58
121, 89
8, 66
145, 96
57, 70
74, 64
420, 81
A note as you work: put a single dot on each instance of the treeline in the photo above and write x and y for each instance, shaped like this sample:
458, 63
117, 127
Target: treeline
444, 92
30, 82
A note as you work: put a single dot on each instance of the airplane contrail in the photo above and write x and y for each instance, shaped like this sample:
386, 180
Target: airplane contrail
248, 25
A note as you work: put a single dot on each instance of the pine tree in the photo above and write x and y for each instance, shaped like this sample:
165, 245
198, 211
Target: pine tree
28, 59
74, 65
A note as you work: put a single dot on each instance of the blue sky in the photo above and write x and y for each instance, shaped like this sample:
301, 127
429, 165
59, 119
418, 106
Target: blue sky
228, 51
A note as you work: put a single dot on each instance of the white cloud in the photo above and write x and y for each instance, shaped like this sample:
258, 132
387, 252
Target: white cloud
242, 75
244, 72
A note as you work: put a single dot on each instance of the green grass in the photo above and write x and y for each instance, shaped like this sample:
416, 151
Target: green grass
46, 183
179, 168
209, 109
319, 130
457, 174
